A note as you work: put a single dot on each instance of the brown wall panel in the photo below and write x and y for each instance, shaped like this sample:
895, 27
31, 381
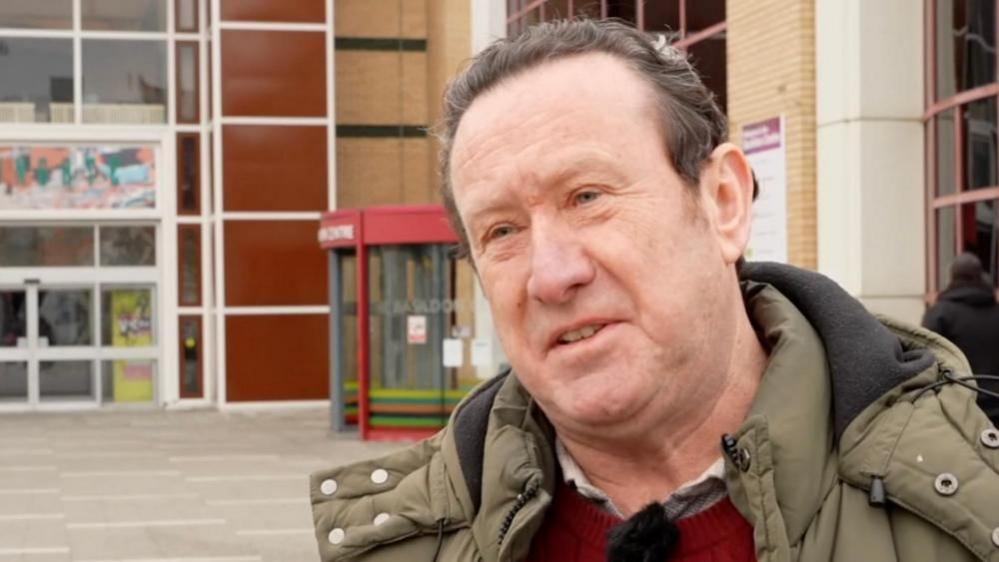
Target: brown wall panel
261, 175
273, 73
279, 357
274, 263
381, 18
304, 11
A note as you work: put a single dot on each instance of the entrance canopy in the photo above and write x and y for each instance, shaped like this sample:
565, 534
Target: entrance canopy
403, 316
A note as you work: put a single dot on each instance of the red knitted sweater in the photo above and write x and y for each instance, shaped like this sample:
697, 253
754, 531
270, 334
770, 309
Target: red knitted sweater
575, 530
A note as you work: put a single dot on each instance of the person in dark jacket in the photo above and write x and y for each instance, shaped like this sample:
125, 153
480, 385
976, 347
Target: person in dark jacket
967, 314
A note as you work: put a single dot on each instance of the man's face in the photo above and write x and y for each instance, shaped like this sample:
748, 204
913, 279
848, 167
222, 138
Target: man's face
603, 272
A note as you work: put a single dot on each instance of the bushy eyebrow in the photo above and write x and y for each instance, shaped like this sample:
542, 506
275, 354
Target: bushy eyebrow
588, 167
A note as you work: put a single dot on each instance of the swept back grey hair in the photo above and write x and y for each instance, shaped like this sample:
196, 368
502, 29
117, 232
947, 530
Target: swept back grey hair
692, 123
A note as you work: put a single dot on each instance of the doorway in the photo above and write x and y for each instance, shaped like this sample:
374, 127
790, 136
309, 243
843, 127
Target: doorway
77, 333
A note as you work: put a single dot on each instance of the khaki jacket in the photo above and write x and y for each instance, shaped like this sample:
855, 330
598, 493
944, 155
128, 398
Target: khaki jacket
847, 404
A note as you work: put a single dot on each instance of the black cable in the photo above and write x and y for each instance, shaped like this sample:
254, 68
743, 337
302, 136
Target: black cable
963, 382
440, 539
949, 378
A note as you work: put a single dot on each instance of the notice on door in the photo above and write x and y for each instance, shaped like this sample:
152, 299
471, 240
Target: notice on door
765, 148
453, 352
416, 329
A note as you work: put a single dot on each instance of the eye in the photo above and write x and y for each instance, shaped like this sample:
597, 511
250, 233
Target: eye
500, 231
584, 197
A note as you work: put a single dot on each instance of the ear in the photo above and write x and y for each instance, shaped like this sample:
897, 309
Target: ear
727, 195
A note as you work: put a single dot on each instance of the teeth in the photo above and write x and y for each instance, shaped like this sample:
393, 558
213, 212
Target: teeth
580, 334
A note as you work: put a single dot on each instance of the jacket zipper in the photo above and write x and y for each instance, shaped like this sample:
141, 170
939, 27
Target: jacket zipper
522, 498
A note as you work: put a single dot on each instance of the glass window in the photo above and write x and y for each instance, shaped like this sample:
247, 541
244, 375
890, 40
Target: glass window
664, 16
708, 57
408, 282
702, 14
944, 123
190, 357
29, 246
187, 82
13, 382
124, 15
622, 9
587, 8
978, 234
946, 244
37, 80
32, 14
128, 245
189, 247
557, 9
64, 317
13, 318
65, 380
979, 143
188, 174
966, 45
128, 380
346, 342
127, 317
124, 81
187, 15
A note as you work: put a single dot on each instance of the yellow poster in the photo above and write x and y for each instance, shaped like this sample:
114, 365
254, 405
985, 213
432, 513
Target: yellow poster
132, 326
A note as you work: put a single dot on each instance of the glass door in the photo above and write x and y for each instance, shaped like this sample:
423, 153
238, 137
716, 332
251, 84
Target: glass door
46, 345
14, 352
61, 337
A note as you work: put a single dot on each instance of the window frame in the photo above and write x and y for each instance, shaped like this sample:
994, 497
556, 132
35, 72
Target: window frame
961, 196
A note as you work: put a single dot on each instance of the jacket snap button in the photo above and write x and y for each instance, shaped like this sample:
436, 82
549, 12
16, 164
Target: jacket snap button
995, 536
381, 518
328, 487
743, 460
336, 536
946, 484
990, 438
379, 476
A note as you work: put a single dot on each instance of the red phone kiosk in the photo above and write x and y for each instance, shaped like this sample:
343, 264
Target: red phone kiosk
402, 320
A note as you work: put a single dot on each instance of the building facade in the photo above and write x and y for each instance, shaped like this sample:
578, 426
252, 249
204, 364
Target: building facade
164, 164
163, 168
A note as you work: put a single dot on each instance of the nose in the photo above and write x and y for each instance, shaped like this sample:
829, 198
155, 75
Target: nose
560, 265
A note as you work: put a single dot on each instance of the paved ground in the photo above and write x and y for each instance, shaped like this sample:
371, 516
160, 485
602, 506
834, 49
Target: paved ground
199, 486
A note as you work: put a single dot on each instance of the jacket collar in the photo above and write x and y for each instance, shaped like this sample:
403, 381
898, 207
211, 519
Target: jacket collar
790, 420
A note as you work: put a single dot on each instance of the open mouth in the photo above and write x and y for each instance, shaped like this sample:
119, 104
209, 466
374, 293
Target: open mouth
580, 334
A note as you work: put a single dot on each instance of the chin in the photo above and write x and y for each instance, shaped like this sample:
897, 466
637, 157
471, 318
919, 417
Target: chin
590, 402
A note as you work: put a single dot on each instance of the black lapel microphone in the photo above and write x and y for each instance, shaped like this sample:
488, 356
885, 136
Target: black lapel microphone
647, 536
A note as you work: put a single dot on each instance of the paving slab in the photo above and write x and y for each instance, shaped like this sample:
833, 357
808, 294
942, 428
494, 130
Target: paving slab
165, 486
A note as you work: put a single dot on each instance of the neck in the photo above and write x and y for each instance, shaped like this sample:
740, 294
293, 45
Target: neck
634, 472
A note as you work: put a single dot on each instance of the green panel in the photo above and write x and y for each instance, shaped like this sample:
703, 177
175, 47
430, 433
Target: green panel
393, 421
379, 44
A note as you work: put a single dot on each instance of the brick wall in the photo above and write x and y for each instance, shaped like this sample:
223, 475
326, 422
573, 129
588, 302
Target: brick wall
392, 62
771, 70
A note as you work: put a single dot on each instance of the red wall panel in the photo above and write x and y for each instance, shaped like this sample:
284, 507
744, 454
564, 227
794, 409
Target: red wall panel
274, 168
274, 263
279, 357
305, 11
273, 73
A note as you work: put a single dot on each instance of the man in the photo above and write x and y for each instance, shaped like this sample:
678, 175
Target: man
659, 396
966, 313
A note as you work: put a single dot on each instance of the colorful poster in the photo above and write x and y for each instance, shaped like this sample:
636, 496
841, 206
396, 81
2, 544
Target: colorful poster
132, 326
77, 177
766, 149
